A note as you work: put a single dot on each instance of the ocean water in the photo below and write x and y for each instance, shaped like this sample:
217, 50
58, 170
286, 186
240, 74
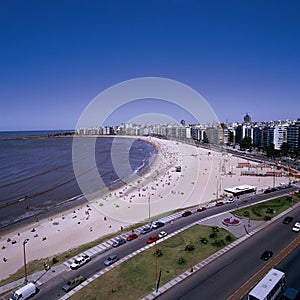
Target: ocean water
36, 173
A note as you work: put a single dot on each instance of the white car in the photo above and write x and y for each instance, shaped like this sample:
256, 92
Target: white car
80, 261
296, 227
162, 234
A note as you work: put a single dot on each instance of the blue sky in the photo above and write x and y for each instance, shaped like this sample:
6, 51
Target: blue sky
56, 56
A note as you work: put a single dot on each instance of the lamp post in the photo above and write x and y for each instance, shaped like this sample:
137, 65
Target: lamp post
149, 212
159, 277
24, 255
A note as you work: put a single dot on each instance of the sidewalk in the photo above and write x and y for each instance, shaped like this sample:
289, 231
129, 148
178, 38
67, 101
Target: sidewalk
213, 257
239, 231
41, 277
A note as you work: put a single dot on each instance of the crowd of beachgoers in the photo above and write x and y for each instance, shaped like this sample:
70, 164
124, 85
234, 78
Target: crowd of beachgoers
202, 177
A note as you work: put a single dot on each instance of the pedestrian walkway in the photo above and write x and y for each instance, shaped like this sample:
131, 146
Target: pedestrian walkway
210, 221
202, 264
108, 244
41, 277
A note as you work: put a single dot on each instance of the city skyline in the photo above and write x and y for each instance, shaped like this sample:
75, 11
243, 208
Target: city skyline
57, 57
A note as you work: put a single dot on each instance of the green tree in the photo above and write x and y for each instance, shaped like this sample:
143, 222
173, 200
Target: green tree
285, 148
181, 260
229, 238
158, 252
203, 240
270, 150
246, 143
218, 243
296, 152
189, 247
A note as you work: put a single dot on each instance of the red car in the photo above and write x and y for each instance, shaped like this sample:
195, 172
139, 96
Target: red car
152, 239
201, 208
187, 213
219, 203
132, 236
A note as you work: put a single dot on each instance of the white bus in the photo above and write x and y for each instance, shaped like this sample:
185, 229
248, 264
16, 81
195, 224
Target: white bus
269, 287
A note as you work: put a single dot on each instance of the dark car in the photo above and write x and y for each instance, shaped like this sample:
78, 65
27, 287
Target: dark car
111, 259
270, 190
266, 255
132, 236
152, 239
287, 220
187, 213
69, 285
201, 208
146, 230
219, 203
118, 242
157, 224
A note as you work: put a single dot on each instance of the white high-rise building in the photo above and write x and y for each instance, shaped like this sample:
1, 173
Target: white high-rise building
280, 135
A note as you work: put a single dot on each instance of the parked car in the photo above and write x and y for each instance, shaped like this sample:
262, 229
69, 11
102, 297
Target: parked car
118, 242
266, 255
201, 208
296, 227
283, 186
270, 190
162, 234
230, 200
111, 259
152, 239
132, 236
157, 224
220, 203
24, 292
146, 230
71, 284
287, 220
187, 213
80, 261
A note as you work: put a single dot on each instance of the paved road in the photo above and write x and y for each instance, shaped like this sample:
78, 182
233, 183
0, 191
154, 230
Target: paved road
52, 289
227, 274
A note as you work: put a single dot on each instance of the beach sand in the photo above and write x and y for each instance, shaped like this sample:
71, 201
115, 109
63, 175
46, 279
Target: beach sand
203, 177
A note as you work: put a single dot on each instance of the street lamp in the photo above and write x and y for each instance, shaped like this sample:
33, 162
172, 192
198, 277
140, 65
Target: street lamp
24, 255
158, 280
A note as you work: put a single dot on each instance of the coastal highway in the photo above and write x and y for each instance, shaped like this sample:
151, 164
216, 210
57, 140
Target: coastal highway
52, 289
227, 274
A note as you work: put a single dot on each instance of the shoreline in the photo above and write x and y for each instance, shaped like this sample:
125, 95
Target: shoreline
31, 216
161, 186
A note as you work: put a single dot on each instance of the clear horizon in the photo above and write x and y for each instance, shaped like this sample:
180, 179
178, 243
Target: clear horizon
71, 129
56, 57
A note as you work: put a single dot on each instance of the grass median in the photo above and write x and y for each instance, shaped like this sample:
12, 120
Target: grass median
136, 277
265, 211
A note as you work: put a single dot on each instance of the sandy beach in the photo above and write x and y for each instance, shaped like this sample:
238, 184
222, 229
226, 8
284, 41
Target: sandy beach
203, 177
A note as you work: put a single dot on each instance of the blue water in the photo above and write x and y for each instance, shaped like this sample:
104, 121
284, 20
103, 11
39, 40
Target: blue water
36, 173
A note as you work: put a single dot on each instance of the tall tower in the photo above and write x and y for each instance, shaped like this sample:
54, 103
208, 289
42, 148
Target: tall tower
247, 118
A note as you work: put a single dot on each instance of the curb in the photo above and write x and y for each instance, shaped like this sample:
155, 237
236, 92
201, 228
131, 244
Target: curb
202, 264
